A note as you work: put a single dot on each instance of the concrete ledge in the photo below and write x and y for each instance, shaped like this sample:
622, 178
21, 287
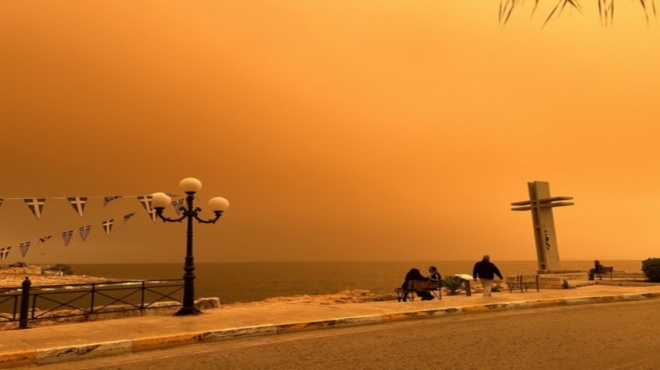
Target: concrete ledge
248, 331
71, 353
19, 358
165, 341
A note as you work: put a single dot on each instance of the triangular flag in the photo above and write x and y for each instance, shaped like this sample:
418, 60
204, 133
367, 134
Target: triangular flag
128, 217
36, 205
24, 248
107, 225
145, 200
178, 204
78, 204
84, 231
153, 215
109, 199
66, 236
4, 252
43, 240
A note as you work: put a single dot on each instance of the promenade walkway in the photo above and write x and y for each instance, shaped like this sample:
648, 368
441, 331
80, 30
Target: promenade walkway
70, 342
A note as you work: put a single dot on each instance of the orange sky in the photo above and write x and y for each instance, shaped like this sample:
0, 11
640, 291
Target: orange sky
343, 130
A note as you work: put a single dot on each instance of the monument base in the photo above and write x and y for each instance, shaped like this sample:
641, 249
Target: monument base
541, 272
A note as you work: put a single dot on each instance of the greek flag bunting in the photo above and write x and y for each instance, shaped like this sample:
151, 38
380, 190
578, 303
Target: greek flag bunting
84, 231
178, 204
66, 236
36, 205
109, 199
24, 248
4, 252
78, 204
107, 225
128, 217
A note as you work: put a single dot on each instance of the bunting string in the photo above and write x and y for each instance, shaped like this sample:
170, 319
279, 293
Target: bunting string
36, 205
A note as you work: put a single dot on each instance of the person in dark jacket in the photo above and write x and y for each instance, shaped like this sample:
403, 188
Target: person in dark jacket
415, 274
486, 271
597, 268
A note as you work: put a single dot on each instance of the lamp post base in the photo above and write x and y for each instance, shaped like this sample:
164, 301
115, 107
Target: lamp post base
188, 311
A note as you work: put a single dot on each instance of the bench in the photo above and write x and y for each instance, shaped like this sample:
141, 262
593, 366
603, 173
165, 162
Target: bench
604, 271
522, 282
414, 286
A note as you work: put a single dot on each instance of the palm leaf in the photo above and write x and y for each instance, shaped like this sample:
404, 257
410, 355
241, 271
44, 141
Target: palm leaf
605, 10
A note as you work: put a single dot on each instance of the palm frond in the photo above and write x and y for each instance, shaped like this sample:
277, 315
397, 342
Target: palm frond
605, 10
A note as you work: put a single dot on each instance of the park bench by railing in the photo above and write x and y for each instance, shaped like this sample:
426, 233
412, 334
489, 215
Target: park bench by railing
414, 286
604, 271
52, 302
523, 282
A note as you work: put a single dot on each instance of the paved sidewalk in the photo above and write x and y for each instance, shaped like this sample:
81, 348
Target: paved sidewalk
69, 342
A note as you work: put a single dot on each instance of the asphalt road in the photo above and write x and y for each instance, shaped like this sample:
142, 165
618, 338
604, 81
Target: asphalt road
606, 336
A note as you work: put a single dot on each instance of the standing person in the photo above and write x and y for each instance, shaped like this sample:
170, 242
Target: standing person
596, 269
486, 271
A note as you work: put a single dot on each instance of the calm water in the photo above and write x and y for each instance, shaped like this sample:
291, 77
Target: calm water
246, 282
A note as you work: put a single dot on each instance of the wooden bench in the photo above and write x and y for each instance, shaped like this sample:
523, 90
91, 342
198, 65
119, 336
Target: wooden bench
414, 286
604, 271
523, 282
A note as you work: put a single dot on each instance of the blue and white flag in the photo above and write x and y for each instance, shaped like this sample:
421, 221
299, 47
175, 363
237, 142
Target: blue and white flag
84, 231
36, 205
24, 248
178, 204
128, 217
107, 225
78, 204
66, 236
4, 252
109, 199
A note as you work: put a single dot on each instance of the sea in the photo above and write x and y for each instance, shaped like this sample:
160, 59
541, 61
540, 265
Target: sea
256, 281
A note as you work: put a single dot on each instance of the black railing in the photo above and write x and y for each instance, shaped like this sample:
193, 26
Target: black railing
53, 302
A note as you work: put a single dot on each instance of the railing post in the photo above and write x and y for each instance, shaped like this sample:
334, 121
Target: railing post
142, 296
25, 304
91, 301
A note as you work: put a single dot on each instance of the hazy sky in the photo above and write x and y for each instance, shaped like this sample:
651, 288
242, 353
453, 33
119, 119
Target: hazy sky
338, 130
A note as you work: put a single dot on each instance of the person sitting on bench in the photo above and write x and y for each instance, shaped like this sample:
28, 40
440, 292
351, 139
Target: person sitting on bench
415, 274
597, 268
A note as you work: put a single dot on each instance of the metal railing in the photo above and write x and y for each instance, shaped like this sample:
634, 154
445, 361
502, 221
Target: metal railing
53, 302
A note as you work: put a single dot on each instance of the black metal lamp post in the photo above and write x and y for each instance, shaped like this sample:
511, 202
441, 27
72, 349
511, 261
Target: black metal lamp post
218, 205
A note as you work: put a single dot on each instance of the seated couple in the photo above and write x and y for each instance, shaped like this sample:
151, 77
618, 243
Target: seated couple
415, 274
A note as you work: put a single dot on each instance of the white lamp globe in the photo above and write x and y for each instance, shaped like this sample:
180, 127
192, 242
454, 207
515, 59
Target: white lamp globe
160, 200
218, 204
190, 185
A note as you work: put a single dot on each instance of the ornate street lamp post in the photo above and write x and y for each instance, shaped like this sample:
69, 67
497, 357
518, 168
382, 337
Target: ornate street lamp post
218, 205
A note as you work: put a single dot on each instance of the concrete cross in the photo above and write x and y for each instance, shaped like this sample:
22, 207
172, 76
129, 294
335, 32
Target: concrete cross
541, 203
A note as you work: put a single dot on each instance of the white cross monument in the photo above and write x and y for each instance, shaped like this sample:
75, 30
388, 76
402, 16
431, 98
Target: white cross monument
541, 204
